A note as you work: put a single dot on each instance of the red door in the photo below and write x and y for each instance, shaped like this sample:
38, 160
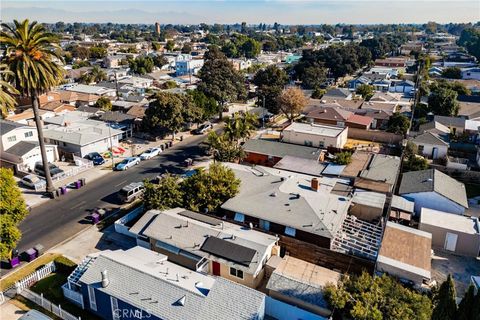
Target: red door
216, 268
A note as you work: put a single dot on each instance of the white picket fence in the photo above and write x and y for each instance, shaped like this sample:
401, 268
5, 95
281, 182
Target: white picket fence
34, 277
47, 305
74, 171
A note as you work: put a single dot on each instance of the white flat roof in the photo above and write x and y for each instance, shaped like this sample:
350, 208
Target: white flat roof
450, 221
315, 129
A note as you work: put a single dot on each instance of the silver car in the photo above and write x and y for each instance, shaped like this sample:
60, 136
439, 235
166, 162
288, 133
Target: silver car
33, 182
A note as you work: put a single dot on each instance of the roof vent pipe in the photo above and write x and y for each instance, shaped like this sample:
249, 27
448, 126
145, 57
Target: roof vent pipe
105, 281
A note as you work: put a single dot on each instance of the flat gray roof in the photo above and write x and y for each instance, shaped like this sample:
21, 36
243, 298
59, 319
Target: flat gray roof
382, 168
280, 149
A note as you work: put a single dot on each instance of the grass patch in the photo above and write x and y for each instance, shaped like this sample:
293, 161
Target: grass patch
26, 269
473, 190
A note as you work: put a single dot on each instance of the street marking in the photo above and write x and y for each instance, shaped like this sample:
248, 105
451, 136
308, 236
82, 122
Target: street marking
79, 204
120, 183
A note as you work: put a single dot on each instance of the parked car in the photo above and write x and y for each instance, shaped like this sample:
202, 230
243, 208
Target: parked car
150, 153
203, 128
96, 158
131, 192
268, 117
34, 182
127, 163
54, 170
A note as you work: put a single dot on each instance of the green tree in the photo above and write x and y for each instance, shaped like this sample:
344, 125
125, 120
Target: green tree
7, 101
379, 297
314, 77
209, 189
12, 211
81, 53
230, 50
104, 104
452, 73
207, 104
291, 102
98, 52
141, 65
170, 45
445, 305
159, 61
166, 194
366, 91
30, 53
318, 93
398, 123
220, 80
250, 48
415, 163
343, 158
187, 48
270, 82
98, 74
223, 149
466, 306
240, 126
470, 39
443, 102
165, 111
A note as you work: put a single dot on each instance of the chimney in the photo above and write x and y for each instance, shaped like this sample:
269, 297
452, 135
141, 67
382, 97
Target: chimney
105, 281
314, 184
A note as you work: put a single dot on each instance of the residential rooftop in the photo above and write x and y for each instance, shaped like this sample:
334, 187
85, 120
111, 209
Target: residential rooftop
316, 129
287, 199
280, 149
451, 221
382, 168
169, 291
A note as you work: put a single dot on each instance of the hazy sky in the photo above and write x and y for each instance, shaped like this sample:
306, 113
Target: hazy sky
232, 11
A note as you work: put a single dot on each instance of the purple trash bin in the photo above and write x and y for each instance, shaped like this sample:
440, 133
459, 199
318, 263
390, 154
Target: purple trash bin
14, 262
63, 190
78, 184
95, 218
31, 254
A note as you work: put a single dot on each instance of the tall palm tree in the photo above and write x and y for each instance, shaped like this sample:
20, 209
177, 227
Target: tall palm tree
98, 74
31, 54
7, 101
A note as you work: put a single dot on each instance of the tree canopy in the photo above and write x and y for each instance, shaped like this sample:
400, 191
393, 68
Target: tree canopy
104, 104
452, 73
470, 39
442, 101
366, 91
166, 194
141, 65
398, 123
270, 82
445, 304
374, 298
291, 102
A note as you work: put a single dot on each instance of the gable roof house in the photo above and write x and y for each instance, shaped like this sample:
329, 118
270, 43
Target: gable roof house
433, 140
435, 190
144, 284
328, 115
207, 244
380, 174
19, 147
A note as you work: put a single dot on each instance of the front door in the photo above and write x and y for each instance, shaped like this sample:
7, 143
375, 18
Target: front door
451, 241
216, 268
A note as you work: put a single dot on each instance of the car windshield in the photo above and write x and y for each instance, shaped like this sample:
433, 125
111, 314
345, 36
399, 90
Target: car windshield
124, 161
149, 151
95, 155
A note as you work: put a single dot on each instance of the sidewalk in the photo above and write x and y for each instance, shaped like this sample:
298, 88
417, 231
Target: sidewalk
9, 311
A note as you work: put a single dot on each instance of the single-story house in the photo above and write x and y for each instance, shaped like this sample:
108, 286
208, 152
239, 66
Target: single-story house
332, 115
314, 135
204, 243
435, 190
405, 253
138, 283
382, 169
452, 232
403, 86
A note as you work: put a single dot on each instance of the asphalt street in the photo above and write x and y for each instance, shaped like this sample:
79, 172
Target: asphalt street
59, 219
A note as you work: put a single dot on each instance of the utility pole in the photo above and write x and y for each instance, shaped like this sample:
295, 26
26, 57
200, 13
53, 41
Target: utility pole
111, 144
263, 112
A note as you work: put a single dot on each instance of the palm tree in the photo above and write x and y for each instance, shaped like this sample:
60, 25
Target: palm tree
98, 74
7, 102
31, 54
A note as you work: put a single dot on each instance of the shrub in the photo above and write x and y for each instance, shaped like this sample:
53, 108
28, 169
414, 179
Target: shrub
64, 265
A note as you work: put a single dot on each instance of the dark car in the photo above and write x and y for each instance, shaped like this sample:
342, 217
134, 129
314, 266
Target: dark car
54, 170
96, 158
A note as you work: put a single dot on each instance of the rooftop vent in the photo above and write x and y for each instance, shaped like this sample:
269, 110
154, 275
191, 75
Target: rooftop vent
314, 184
105, 281
181, 301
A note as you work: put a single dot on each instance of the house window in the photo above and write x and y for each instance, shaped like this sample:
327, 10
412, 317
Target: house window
265, 224
28, 134
239, 217
91, 298
420, 149
115, 310
308, 143
290, 231
340, 124
236, 273
12, 139
167, 247
321, 144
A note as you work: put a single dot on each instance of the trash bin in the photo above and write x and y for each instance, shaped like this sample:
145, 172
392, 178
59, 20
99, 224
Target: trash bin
63, 190
170, 144
78, 184
83, 181
166, 145
101, 213
40, 249
14, 262
95, 218
30, 254
181, 138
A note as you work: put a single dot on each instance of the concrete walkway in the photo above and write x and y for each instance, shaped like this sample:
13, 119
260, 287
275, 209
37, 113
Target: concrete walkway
9, 311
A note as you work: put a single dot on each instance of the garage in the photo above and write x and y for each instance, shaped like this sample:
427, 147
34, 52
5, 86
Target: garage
34, 155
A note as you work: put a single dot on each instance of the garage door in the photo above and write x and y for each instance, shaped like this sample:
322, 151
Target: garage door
451, 241
37, 157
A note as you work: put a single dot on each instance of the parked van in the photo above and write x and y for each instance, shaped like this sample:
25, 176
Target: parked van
131, 192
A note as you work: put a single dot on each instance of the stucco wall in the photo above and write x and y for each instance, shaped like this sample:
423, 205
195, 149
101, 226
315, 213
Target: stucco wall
467, 244
434, 201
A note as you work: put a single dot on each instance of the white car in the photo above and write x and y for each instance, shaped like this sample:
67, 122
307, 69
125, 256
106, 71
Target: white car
34, 182
150, 153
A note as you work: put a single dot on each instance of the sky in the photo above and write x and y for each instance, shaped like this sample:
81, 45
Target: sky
236, 11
